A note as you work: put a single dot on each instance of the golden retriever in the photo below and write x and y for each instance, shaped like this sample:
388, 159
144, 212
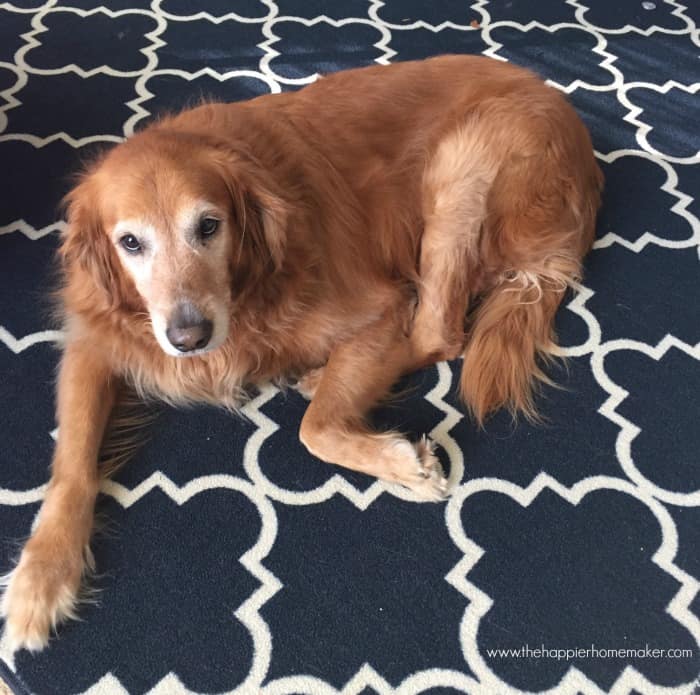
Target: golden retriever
377, 221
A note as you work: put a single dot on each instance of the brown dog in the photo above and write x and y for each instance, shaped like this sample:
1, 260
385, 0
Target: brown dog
341, 232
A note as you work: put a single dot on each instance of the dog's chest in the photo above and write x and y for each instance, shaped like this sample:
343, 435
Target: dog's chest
224, 376
247, 358
216, 378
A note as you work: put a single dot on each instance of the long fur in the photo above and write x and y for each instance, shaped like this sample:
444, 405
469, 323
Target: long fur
126, 431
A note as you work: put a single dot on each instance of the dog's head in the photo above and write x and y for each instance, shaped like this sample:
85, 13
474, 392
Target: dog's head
175, 224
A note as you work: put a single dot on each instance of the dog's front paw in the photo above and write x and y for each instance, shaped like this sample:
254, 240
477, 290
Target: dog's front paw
422, 473
40, 593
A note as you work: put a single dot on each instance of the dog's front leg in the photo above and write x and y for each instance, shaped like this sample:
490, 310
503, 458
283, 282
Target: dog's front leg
360, 372
42, 590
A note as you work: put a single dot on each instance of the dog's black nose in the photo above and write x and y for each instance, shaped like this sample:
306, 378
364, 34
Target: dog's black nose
188, 330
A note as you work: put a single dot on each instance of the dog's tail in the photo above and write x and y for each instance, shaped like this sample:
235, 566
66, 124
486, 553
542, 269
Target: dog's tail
511, 335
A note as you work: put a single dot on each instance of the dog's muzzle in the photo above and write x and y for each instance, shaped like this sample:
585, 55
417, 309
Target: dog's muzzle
188, 329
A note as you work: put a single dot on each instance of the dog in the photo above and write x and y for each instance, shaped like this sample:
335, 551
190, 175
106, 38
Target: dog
375, 222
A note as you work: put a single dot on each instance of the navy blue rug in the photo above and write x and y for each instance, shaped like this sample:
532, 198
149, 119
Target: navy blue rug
231, 560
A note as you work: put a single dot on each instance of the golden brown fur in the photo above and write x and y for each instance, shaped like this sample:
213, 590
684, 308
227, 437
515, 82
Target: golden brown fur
361, 219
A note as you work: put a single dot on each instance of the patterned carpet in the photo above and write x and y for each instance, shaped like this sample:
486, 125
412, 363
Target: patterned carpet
232, 561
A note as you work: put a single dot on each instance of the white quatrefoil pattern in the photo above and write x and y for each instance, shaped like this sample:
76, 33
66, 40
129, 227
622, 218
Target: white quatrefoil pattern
232, 561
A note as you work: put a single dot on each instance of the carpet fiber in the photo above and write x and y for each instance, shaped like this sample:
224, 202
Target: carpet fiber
232, 560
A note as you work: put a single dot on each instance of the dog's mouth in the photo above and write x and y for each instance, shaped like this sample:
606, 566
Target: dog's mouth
191, 353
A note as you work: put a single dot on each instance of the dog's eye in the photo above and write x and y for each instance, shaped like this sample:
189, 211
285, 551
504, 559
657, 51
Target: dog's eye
207, 227
130, 243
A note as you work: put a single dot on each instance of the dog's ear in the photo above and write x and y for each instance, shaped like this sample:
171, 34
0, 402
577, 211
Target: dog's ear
260, 209
86, 252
